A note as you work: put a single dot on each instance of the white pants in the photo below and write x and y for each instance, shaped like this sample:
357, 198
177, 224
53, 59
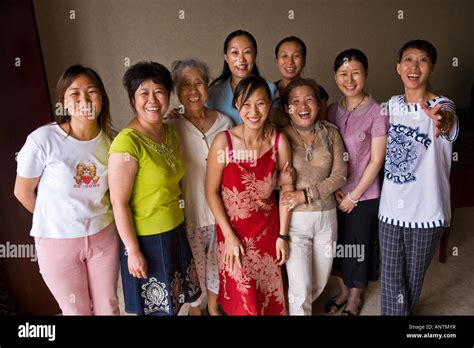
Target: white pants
309, 265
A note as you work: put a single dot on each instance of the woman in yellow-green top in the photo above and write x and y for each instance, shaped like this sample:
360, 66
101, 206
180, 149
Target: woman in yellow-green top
145, 168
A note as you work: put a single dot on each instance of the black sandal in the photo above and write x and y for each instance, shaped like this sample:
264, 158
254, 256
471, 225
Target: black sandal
348, 313
332, 303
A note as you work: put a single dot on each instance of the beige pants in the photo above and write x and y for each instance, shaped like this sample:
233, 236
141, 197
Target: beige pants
309, 265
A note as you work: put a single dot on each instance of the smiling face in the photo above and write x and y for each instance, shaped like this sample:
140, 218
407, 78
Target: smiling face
240, 56
83, 100
151, 101
415, 68
302, 106
192, 90
350, 78
254, 111
290, 60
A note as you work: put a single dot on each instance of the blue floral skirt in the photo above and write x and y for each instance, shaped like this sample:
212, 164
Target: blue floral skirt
172, 276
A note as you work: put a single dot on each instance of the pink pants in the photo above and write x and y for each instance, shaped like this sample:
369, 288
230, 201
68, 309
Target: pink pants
82, 273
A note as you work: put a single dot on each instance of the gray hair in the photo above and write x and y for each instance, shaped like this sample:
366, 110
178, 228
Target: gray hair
179, 65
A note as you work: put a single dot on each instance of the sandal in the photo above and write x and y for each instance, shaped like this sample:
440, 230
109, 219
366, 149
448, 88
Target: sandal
348, 313
332, 303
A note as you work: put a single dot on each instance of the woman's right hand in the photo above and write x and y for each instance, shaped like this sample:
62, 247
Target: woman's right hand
233, 252
339, 195
137, 266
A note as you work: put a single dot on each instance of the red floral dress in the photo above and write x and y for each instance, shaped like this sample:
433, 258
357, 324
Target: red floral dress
248, 194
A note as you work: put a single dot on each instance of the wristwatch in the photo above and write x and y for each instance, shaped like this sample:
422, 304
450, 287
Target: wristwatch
286, 237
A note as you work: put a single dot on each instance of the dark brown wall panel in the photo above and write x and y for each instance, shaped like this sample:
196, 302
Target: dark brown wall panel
25, 105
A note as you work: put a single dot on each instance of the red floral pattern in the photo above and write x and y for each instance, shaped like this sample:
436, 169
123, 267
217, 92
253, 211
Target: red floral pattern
249, 199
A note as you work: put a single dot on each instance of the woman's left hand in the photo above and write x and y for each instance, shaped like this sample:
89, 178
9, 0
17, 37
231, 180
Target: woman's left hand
292, 199
346, 205
282, 251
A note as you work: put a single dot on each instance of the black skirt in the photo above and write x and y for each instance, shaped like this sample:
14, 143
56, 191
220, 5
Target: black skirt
172, 277
358, 228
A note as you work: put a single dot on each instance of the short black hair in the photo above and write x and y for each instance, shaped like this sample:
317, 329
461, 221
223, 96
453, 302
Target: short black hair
349, 55
143, 71
247, 86
294, 39
300, 83
421, 45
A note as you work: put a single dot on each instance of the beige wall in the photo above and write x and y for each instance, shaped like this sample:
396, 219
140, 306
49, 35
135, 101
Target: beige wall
105, 32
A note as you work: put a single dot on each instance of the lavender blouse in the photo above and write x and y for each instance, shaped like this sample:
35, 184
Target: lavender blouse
357, 128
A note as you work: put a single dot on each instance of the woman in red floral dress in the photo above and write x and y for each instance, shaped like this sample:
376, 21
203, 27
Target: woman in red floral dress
252, 231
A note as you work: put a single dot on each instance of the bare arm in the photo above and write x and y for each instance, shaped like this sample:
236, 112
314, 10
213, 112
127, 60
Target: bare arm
284, 157
284, 164
216, 162
122, 171
377, 157
25, 192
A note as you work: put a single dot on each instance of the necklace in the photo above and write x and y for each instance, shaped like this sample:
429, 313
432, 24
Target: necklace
345, 104
165, 149
202, 126
249, 156
308, 147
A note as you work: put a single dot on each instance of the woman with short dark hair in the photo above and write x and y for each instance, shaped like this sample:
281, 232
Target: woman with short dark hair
145, 170
290, 54
364, 130
318, 158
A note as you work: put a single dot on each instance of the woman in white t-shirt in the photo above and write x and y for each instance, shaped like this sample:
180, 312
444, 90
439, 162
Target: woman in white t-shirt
62, 180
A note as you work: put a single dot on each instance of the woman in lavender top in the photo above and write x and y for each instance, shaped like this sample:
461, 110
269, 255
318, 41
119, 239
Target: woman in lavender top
363, 128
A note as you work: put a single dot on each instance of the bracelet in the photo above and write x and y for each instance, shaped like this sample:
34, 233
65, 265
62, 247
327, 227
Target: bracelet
448, 121
353, 202
310, 195
306, 199
285, 237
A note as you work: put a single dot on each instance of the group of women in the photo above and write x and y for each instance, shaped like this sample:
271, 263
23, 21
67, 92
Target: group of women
210, 200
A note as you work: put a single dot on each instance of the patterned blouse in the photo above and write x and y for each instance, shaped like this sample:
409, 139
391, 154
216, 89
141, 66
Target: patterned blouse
325, 172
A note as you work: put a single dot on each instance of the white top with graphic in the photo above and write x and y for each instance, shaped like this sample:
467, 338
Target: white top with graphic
416, 192
73, 193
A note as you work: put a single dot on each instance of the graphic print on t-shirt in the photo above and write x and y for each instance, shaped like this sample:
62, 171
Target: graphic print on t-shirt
405, 147
86, 175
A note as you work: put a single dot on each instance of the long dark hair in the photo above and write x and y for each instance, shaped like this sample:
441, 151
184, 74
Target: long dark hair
67, 78
247, 86
226, 73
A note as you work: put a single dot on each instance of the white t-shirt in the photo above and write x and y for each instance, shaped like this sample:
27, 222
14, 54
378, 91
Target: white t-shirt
194, 147
416, 192
73, 192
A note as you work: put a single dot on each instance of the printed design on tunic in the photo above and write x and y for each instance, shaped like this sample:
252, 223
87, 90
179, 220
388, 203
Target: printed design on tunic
155, 297
261, 268
405, 146
177, 291
256, 196
192, 279
86, 175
